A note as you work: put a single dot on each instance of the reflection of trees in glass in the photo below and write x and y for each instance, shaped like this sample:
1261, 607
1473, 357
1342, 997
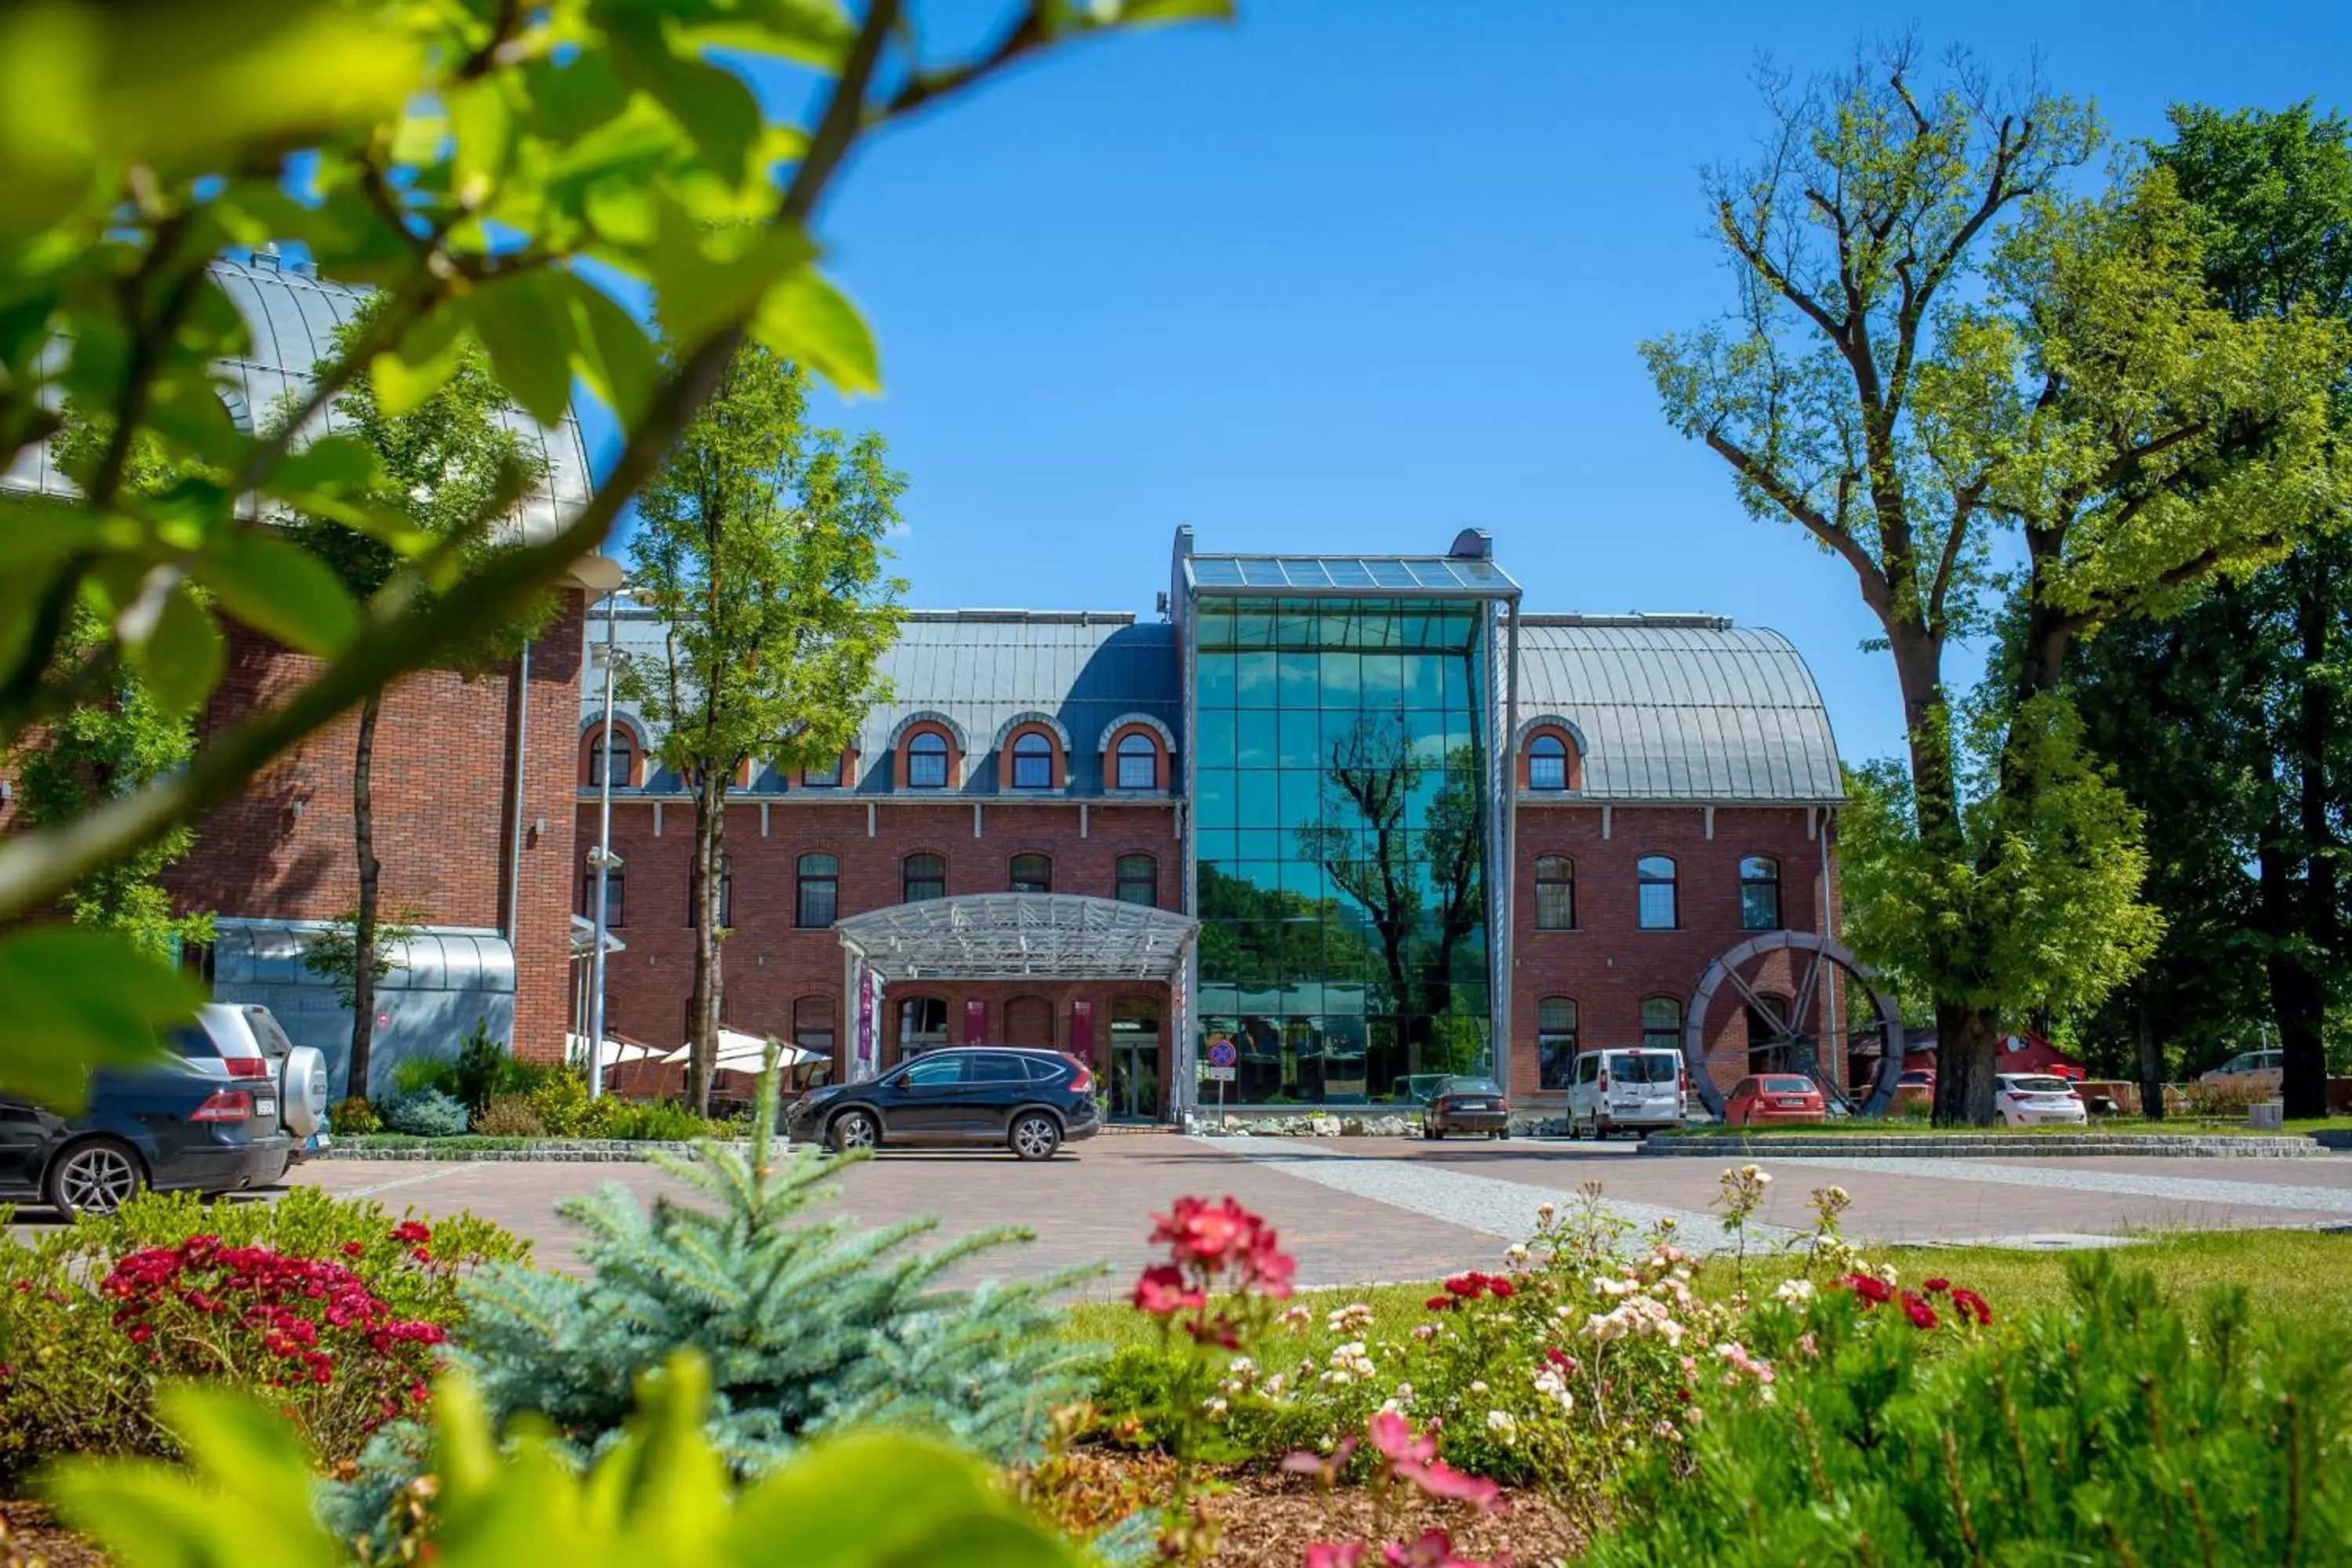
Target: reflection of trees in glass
1362, 843
1365, 845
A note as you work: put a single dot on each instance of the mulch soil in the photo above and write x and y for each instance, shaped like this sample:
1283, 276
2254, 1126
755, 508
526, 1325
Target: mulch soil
31, 1537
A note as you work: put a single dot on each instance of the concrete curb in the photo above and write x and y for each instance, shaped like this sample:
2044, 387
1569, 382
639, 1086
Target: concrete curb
572, 1150
1926, 1147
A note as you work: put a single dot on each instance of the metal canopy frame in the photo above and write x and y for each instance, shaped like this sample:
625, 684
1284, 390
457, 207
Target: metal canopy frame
1349, 576
1020, 936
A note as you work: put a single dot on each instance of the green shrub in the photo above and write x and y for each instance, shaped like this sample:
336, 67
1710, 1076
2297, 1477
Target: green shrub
645, 1121
808, 1325
480, 1065
416, 1075
2120, 1430
354, 1116
80, 1361
509, 1116
561, 1101
427, 1113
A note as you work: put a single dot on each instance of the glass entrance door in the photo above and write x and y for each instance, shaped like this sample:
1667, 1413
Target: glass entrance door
1135, 1062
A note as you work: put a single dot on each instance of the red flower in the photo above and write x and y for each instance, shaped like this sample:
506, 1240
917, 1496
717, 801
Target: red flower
1870, 1288
1968, 1305
409, 1231
353, 1248
1393, 1436
141, 1332
1916, 1308
1335, 1555
1218, 1330
1439, 1303
1223, 1242
1161, 1291
1560, 1358
1467, 1285
1936, 1287
1500, 1288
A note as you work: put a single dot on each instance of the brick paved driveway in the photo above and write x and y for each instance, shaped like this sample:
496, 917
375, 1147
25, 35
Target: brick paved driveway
1356, 1211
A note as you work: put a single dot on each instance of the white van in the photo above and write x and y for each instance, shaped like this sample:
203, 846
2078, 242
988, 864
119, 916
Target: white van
1629, 1088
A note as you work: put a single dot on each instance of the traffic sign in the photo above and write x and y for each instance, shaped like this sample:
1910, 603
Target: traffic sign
1221, 1053
1221, 1075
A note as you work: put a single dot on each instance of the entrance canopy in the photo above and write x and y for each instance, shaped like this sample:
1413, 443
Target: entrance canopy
1020, 936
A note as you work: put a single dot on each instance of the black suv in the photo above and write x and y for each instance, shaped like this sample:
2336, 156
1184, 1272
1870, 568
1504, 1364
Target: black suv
1029, 1101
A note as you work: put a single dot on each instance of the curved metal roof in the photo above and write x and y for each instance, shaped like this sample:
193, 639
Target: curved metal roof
1020, 936
291, 315
1675, 708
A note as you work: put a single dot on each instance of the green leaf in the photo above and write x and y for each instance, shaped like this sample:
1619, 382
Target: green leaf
526, 323
812, 32
77, 999
613, 354
277, 586
806, 320
181, 659
715, 106
422, 364
485, 130
695, 291
332, 465
882, 1498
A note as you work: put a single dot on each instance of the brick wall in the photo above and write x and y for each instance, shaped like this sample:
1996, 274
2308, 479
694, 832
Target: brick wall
1609, 965
444, 812
769, 962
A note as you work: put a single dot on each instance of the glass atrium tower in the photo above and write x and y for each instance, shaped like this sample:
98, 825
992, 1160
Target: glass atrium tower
1345, 718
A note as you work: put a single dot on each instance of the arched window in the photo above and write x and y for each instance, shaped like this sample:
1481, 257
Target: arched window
616, 886
819, 901
1759, 893
1029, 1021
926, 760
1136, 880
1555, 1041
1662, 1022
1033, 761
622, 749
1546, 762
1138, 761
1654, 874
812, 1025
925, 877
1554, 893
1032, 873
923, 1025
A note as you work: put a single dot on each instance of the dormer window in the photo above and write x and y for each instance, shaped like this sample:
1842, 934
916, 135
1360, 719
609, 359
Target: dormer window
927, 760
823, 775
1138, 761
1033, 761
1546, 762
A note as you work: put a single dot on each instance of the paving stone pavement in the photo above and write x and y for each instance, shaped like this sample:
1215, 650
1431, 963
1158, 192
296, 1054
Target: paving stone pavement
1358, 1211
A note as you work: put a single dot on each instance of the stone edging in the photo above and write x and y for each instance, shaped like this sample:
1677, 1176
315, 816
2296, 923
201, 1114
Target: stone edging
575, 1151
1929, 1147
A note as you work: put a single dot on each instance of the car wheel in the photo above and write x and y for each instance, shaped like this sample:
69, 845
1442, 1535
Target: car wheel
1431, 1133
853, 1130
96, 1177
1504, 1135
1036, 1136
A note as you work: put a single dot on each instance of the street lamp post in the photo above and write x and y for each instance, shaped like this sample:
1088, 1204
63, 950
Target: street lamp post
603, 859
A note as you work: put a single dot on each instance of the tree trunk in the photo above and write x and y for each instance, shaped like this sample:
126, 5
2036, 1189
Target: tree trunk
2305, 1060
2151, 1057
710, 858
364, 920
2298, 996
1966, 1043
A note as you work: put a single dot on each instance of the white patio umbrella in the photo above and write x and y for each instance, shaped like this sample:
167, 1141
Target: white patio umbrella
616, 1051
740, 1052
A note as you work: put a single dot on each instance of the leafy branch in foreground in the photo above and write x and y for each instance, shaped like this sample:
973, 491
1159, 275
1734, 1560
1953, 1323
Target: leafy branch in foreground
482, 169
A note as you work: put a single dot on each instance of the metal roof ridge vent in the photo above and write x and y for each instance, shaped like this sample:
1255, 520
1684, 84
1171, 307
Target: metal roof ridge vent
1024, 617
1661, 618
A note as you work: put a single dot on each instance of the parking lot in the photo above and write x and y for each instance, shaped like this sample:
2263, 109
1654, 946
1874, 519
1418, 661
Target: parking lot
1362, 1210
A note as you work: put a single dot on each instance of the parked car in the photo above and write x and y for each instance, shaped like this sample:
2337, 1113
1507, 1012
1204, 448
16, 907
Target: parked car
174, 1128
1772, 1098
1419, 1088
2037, 1100
1030, 1102
1629, 1088
244, 1043
1467, 1105
2263, 1071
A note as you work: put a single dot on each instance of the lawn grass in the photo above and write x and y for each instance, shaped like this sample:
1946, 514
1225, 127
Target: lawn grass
2290, 1275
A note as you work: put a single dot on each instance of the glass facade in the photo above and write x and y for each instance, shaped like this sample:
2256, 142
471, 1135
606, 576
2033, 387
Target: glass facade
1341, 791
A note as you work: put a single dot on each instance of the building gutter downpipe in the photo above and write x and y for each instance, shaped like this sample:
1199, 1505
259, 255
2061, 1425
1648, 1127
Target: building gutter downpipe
522, 799
603, 865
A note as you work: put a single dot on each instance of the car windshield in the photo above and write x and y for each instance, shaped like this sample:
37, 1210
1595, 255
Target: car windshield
2040, 1086
1644, 1067
1787, 1086
1472, 1085
1915, 1077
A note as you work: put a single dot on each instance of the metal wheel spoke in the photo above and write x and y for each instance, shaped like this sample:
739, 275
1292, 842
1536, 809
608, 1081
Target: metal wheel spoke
1803, 1009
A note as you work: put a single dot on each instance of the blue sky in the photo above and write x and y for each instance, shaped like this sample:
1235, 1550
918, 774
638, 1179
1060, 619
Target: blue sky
1353, 276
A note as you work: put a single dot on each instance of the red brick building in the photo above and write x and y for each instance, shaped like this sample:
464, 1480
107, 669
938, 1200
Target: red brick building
1648, 794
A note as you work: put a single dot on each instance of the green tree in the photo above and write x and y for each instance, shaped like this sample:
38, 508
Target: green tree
2250, 777
762, 546
2015, 414
453, 469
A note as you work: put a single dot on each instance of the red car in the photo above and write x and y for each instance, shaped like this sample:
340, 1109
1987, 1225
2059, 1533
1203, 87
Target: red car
1774, 1098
